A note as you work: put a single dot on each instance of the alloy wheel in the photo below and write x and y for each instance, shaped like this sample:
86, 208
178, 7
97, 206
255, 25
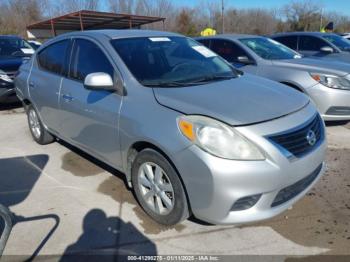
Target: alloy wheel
156, 188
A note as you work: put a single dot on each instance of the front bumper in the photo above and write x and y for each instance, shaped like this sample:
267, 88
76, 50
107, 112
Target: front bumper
214, 185
7, 92
333, 104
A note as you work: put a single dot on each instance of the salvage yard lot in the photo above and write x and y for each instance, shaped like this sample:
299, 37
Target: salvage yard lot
93, 209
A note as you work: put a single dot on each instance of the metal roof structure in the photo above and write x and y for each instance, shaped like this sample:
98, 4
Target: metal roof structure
87, 20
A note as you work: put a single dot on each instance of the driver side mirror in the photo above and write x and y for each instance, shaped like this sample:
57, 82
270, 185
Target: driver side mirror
99, 81
245, 60
326, 49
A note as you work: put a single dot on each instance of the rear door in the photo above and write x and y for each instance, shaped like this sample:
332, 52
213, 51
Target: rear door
89, 118
45, 81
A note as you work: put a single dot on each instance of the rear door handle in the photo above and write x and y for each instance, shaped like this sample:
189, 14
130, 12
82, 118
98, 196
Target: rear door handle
67, 97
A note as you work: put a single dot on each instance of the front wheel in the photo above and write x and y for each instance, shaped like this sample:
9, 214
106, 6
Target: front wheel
158, 188
37, 129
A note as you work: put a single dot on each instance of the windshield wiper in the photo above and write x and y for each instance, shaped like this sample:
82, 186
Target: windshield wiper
211, 78
166, 84
198, 81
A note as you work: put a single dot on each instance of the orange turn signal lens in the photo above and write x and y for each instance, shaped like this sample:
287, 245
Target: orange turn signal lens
316, 77
187, 129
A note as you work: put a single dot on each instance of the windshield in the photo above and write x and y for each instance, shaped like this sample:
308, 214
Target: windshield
12, 46
269, 49
171, 61
338, 41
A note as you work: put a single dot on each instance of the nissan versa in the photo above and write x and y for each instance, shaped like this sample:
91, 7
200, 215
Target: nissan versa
326, 82
193, 135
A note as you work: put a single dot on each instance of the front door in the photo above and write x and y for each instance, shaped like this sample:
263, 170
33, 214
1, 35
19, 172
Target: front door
89, 118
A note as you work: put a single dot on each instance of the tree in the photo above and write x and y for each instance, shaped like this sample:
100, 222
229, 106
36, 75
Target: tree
184, 23
303, 15
16, 14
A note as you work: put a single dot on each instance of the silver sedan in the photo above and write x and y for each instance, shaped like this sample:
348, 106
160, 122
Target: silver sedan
326, 82
192, 135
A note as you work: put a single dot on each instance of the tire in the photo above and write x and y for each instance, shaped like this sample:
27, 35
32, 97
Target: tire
162, 197
37, 129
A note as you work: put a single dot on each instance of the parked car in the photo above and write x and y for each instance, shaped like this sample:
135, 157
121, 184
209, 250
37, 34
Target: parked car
327, 83
13, 51
192, 134
34, 44
316, 44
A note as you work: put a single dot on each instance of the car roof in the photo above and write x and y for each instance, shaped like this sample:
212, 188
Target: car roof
229, 36
302, 33
119, 34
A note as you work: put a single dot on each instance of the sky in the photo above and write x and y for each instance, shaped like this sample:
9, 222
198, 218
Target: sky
342, 6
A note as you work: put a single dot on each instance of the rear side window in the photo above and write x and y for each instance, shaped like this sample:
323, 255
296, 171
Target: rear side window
88, 58
228, 50
290, 41
311, 43
52, 58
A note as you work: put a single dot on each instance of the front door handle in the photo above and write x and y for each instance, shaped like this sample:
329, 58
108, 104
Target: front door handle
31, 85
67, 98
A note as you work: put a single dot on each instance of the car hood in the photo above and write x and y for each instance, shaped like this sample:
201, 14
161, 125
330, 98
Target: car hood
315, 65
9, 64
242, 101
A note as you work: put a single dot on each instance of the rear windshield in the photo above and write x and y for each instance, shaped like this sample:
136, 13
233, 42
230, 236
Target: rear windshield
171, 61
269, 49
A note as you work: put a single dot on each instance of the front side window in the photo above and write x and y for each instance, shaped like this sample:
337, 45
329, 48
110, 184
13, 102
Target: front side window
228, 50
290, 41
170, 61
52, 58
269, 49
88, 58
13, 46
340, 42
311, 43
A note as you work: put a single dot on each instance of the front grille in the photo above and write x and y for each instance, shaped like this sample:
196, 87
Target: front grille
301, 140
292, 191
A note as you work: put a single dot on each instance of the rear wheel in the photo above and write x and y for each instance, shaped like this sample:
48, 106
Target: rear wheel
158, 188
37, 129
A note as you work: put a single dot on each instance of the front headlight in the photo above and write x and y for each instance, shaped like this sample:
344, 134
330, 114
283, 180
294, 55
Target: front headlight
218, 138
5, 77
332, 81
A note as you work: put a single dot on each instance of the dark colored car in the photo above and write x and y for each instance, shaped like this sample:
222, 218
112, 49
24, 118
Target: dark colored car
316, 44
13, 51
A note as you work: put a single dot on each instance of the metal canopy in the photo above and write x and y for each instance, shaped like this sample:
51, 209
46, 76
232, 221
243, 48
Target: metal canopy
87, 20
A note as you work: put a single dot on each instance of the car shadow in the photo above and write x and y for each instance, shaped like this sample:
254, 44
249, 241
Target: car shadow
102, 239
10, 106
18, 175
